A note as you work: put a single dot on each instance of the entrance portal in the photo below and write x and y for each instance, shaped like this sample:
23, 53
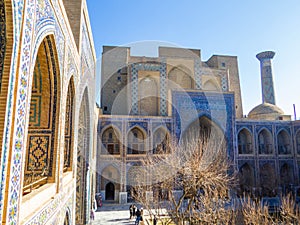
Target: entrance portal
110, 191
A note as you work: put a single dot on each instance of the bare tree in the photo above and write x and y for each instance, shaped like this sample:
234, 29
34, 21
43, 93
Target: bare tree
256, 213
289, 210
190, 183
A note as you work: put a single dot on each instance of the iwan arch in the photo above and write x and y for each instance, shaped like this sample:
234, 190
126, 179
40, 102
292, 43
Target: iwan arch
47, 110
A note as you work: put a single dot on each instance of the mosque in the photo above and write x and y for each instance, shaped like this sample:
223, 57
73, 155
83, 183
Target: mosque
58, 149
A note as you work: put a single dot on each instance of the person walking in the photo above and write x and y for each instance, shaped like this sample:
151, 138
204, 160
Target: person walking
142, 214
131, 211
155, 220
138, 217
134, 210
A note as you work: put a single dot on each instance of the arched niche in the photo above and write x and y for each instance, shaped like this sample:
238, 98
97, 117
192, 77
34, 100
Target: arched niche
161, 141
180, 76
265, 142
42, 146
110, 141
110, 182
286, 177
148, 97
246, 179
136, 141
283, 143
211, 85
245, 142
135, 177
268, 182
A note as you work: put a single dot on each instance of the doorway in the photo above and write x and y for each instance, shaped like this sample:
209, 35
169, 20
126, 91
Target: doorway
110, 191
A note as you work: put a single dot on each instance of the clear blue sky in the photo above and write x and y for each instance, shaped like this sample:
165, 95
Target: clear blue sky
233, 27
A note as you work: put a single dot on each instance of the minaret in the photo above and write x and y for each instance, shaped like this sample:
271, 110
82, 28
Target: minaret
267, 86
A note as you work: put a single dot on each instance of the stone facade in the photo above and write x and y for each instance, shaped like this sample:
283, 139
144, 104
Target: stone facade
46, 112
177, 92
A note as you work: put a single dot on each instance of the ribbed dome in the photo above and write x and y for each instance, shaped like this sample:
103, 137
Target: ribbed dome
265, 111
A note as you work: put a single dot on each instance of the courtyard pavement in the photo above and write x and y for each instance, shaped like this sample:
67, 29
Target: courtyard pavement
113, 214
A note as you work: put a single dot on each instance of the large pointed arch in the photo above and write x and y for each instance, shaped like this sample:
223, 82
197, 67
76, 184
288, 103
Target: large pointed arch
83, 156
204, 127
40, 158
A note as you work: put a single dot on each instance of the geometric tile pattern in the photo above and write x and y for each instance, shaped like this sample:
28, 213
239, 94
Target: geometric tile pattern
44, 215
18, 6
218, 107
163, 88
36, 97
86, 55
35, 110
224, 81
21, 107
134, 90
198, 73
38, 156
161, 67
267, 85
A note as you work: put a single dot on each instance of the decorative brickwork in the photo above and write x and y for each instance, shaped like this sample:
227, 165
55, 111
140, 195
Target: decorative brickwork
2, 39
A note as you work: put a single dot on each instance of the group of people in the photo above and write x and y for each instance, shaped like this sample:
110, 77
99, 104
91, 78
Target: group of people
136, 213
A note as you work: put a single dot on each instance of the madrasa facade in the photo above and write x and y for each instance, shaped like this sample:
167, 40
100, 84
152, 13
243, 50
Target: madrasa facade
148, 100
57, 151
47, 112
